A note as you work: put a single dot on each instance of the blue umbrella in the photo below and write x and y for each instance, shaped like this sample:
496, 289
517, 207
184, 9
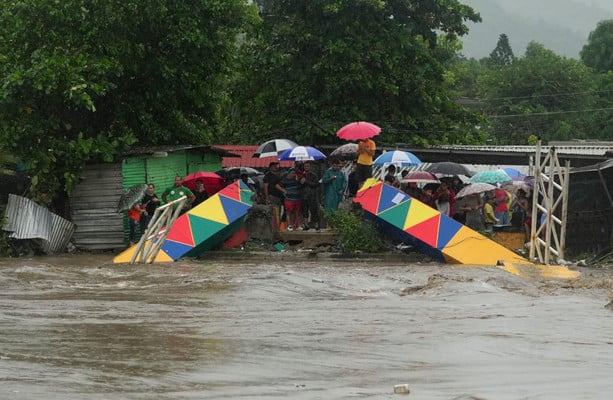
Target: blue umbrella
302, 153
397, 157
512, 172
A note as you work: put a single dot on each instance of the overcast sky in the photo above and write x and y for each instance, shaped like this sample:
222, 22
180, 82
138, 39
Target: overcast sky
560, 25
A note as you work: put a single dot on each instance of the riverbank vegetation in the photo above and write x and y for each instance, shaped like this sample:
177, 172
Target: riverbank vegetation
84, 82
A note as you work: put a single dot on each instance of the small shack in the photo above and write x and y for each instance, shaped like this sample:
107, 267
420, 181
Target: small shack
94, 200
589, 225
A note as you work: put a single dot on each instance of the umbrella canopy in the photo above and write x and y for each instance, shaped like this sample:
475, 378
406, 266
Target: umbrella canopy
397, 157
302, 153
347, 151
512, 172
213, 183
230, 174
448, 168
273, 148
358, 131
492, 177
131, 196
474, 188
420, 177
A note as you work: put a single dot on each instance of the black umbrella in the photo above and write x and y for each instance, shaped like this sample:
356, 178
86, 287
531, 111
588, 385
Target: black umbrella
131, 196
348, 151
448, 168
235, 172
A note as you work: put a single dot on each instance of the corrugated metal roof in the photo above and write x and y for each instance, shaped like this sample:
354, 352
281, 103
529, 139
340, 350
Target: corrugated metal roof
245, 157
596, 149
28, 220
150, 150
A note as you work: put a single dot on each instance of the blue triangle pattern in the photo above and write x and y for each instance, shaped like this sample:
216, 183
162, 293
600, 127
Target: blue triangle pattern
233, 209
390, 197
174, 249
448, 227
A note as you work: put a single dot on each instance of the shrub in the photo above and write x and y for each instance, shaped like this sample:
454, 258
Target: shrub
356, 234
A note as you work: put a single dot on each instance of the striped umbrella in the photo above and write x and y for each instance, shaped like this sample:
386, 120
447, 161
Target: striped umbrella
397, 157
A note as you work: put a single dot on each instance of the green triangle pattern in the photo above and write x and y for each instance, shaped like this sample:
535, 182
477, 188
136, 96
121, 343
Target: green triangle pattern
203, 228
397, 215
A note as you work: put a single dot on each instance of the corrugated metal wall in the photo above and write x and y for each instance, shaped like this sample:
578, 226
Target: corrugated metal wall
94, 200
94, 208
162, 171
28, 220
203, 162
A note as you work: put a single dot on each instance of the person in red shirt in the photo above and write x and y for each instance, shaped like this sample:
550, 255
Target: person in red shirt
134, 220
501, 209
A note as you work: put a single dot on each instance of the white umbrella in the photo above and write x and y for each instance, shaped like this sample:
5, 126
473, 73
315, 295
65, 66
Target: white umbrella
472, 188
302, 153
274, 147
397, 157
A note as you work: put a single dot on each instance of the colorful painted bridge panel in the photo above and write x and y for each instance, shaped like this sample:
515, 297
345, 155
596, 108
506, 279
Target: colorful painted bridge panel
203, 227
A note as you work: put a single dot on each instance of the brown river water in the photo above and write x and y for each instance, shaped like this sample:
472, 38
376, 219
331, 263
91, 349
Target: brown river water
80, 327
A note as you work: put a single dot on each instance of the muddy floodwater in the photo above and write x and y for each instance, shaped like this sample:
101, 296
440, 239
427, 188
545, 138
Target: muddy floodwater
80, 327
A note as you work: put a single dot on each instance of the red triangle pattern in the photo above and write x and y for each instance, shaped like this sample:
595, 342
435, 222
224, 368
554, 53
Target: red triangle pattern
369, 198
427, 231
232, 191
181, 231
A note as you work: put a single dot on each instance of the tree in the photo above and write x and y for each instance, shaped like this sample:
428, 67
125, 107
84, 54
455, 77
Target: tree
540, 94
82, 80
502, 54
598, 52
315, 65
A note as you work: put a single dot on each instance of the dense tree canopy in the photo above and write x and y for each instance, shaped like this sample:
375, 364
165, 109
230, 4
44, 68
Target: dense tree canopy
317, 64
80, 79
598, 52
541, 94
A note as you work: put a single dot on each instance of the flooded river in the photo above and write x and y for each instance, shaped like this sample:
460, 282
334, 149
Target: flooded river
79, 327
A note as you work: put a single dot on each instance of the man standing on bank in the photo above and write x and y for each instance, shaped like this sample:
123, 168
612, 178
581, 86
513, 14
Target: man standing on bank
366, 151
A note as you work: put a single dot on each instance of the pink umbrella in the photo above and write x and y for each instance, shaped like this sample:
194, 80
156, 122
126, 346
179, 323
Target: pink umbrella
358, 131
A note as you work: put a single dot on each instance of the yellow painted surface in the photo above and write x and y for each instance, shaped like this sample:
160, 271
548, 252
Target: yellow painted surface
126, 256
510, 240
470, 247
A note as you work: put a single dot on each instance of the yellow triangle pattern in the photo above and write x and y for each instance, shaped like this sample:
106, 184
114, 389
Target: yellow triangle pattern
126, 256
211, 209
368, 183
418, 213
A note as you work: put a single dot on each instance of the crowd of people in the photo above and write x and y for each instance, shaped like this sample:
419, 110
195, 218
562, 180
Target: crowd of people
302, 195
502, 207
140, 214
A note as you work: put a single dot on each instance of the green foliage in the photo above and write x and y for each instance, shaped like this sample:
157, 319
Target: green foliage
598, 52
541, 94
502, 54
315, 65
356, 234
80, 81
